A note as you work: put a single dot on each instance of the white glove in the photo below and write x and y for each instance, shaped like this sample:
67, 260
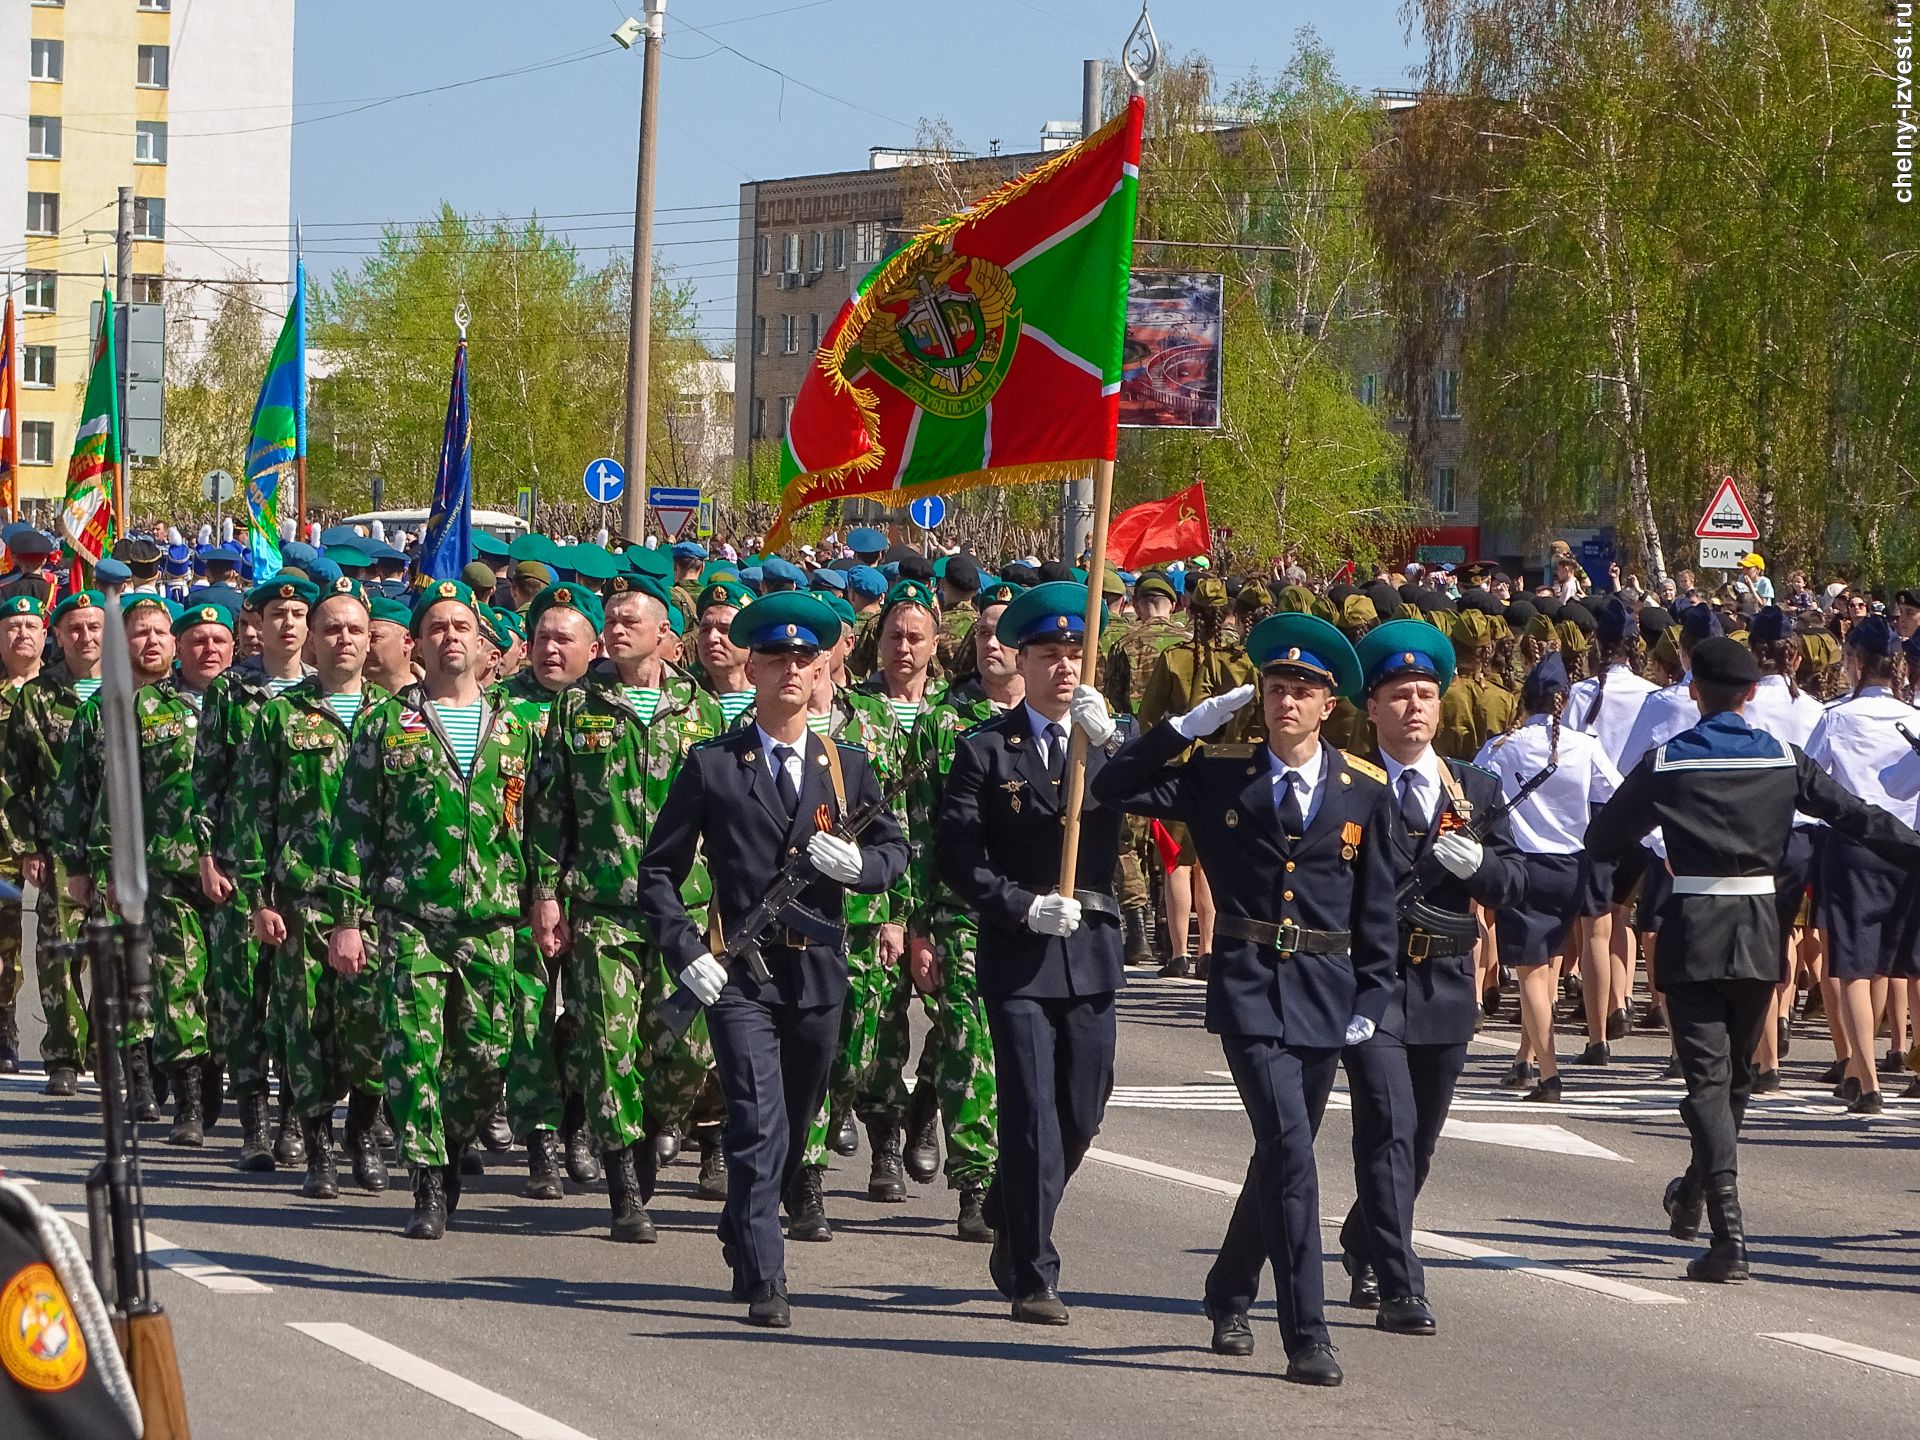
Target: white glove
1211, 713
706, 977
1053, 915
1089, 712
1359, 1030
833, 857
1460, 853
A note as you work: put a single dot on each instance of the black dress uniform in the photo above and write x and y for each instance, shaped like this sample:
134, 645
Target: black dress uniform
773, 1043
1724, 797
1305, 941
1049, 999
1402, 1077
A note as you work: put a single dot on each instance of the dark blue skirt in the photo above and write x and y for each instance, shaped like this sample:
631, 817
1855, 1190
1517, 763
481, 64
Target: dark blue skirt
1861, 903
1535, 930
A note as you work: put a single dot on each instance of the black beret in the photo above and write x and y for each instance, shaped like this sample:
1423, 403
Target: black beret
1769, 625
1718, 660
1547, 605
1411, 592
1520, 612
1338, 594
1052, 570
1613, 622
1655, 620
916, 567
1873, 637
1699, 624
1025, 576
1578, 615
962, 573
1485, 601
1441, 602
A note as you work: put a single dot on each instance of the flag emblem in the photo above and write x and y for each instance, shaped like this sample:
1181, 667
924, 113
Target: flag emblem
943, 333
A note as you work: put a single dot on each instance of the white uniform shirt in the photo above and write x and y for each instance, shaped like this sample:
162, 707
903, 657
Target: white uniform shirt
1309, 787
1788, 718
1552, 820
1663, 715
1620, 706
1856, 744
1429, 789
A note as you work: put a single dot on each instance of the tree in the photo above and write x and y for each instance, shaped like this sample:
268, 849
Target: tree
216, 359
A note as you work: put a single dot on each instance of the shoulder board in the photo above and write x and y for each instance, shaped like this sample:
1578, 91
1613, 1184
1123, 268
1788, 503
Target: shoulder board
1237, 751
1467, 766
716, 742
1364, 767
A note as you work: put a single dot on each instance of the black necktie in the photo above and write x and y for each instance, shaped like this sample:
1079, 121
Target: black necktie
1293, 819
783, 778
1412, 813
1056, 752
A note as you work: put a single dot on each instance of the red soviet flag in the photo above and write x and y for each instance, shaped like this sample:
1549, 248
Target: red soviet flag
1171, 529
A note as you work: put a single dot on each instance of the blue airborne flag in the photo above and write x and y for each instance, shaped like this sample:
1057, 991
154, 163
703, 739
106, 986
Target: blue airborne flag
447, 545
277, 443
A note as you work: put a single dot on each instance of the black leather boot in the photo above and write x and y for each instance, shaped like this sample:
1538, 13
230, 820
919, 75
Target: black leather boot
289, 1144
843, 1135
1686, 1203
583, 1166
1133, 926
887, 1182
1725, 1262
187, 1129
429, 1220
646, 1167
256, 1152
495, 1134
450, 1176
323, 1181
972, 1225
666, 1146
807, 1205
922, 1154
383, 1129
140, 1098
61, 1080
713, 1165
631, 1223
9, 1042
213, 1090
543, 1166
369, 1170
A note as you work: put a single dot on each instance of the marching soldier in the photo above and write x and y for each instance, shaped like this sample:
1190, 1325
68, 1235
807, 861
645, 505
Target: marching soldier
23, 641
1297, 834
389, 645
431, 850
1048, 964
722, 665
754, 801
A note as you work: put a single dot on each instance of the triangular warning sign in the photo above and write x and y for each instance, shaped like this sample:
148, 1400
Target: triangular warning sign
1727, 516
673, 520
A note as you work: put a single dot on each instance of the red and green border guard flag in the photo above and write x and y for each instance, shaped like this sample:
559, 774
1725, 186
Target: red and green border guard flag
987, 350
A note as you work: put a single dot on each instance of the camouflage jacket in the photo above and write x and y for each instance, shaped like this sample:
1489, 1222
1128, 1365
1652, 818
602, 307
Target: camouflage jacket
600, 778
1137, 648
166, 719
930, 751
1188, 672
952, 648
873, 727
10, 847
226, 715
36, 738
77, 785
524, 685
414, 835
285, 793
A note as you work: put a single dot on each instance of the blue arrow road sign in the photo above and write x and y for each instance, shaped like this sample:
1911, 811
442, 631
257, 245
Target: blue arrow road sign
928, 511
605, 480
673, 497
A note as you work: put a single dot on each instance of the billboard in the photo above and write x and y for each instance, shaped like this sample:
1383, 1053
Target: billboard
1170, 373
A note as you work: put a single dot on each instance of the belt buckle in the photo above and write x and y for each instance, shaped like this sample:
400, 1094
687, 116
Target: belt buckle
792, 939
1280, 941
1419, 945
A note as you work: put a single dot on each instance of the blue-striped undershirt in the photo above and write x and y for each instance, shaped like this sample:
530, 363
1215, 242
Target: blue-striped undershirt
86, 689
734, 703
462, 724
345, 706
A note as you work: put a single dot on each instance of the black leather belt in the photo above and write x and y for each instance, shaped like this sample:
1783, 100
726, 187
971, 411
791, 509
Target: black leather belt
1287, 937
1417, 945
1098, 902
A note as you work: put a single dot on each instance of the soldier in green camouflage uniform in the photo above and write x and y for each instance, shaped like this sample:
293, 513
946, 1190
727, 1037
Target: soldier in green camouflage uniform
35, 739
23, 635
240, 974
431, 847
285, 800
611, 751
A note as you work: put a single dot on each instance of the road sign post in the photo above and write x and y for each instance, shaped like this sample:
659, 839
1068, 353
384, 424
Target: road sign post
674, 506
703, 522
217, 486
604, 480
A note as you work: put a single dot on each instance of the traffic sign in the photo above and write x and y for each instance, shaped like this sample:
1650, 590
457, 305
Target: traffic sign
605, 480
703, 526
1727, 516
675, 506
216, 485
523, 505
927, 512
1724, 554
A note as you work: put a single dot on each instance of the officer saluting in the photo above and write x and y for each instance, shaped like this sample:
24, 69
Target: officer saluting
751, 801
1295, 835
1724, 796
1403, 1076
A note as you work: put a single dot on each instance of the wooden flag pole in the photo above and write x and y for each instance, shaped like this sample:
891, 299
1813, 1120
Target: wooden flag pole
1089, 665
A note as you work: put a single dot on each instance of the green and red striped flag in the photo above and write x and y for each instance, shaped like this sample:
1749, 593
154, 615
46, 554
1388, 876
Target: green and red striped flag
987, 350
93, 474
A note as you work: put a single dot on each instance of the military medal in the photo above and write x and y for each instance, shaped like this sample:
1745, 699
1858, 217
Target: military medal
1013, 790
516, 787
1350, 834
1233, 818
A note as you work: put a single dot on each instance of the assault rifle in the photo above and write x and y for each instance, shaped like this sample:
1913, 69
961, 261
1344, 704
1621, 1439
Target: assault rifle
1411, 896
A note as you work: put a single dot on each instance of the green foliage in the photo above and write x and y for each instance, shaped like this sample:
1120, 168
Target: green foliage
218, 343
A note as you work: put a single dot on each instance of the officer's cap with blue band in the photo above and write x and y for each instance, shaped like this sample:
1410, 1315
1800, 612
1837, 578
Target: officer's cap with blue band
1292, 643
1056, 610
1402, 648
785, 620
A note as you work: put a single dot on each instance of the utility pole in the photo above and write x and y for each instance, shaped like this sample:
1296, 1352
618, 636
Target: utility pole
122, 284
1076, 497
640, 316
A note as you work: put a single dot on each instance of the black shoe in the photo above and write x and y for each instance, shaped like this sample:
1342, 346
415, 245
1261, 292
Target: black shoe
1406, 1315
666, 1147
1847, 1090
1314, 1365
1232, 1335
922, 1154
1654, 1017
1000, 1267
843, 1134
9, 1043
495, 1134
429, 1220
1203, 966
1834, 1073
1133, 927
1365, 1292
767, 1306
1595, 1054
1178, 967
1782, 1036
1490, 1003
1043, 1307
1912, 1092
256, 1150
713, 1166
141, 1101
1893, 1063
1547, 1092
316, 1136
1686, 1205
972, 1225
470, 1161
887, 1182
187, 1129
453, 1176
1767, 1082
583, 1166
807, 1206
213, 1090
543, 1167
369, 1169
1672, 1072
631, 1223
383, 1129
1867, 1103
1619, 1023
61, 1080
289, 1145
1519, 1076
1725, 1262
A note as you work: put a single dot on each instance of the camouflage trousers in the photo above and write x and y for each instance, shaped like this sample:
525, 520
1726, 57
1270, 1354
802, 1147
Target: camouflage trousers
962, 1061
329, 1023
241, 979
869, 1073
68, 1031
446, 1001
534, 1101
682, 1089
10, 967
177, 914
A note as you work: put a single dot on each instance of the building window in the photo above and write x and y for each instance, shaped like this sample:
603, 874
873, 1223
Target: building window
161, 5
43, 137
1369, 389
763, 253
36, 366
759, 334
789, 336
150, 142
49, 4
152, 71
1446, 394
813, 332
149, 218
817, 251
759, 417
869, 236
42, 290
43, 212
49, 59
36, 442
786, 411
790, 251
840, 249
145, 290
1443, 498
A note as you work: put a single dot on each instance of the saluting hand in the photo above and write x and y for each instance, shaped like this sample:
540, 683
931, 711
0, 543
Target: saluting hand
1212, 713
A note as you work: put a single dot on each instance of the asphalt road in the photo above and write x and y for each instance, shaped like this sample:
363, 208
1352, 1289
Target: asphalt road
1561, 1302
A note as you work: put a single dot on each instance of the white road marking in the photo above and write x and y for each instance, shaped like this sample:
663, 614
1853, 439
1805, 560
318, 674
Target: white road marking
182, 1261
1425, 1239
1553, 1139
1847, 1350
508, 1415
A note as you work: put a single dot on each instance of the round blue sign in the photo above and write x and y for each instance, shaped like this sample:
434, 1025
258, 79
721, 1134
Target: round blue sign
605, 480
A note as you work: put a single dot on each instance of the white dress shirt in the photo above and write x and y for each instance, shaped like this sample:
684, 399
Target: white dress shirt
1429, 784
1553, 819
1856, 743
796, 769
1788, 718
1663, 715
1044, 742
1310, 786
1620, 705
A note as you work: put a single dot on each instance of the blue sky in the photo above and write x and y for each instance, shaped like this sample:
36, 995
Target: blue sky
557, 139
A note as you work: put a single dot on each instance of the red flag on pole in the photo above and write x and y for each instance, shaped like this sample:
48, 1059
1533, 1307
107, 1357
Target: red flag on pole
9, 419
1171, 529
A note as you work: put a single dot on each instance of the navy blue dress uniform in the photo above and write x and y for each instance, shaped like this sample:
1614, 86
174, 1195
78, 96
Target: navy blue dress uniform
1403, 1076
1724, 795
738, 802
1049, 998
1305, 943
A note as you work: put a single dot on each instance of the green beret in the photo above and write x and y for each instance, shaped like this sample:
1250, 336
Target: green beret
24, 605
907, 592
1154, 584
650, 585
786, 620
438, 590
715, 570
349, 587
723, 592
131, 605
487, 545
567, 596
79, 600
349, 557
507, 622
479, 575
838, 604
998, 592
193, 615
657, 562
677, 619
385, 607
284, 586
533, 546
590, 562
